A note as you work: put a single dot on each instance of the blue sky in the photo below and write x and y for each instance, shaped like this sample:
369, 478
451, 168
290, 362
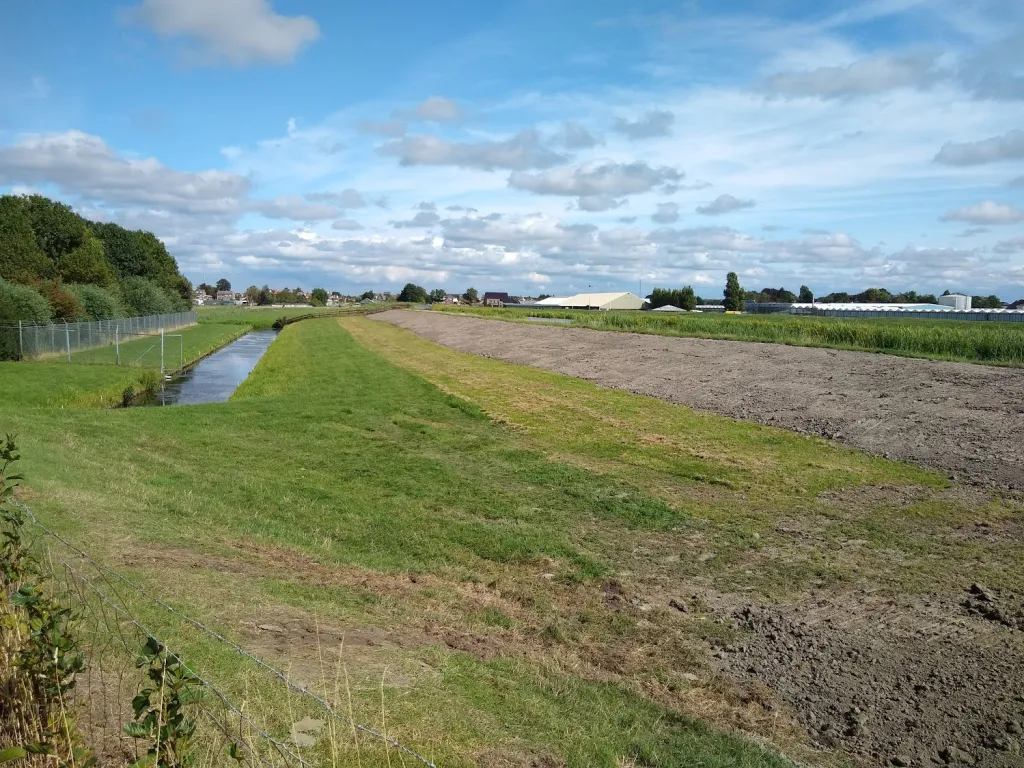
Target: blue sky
534, 146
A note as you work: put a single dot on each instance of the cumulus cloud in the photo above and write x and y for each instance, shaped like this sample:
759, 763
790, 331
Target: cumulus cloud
258, 261
293, 207
874, 74
1013, 245
597, 203
523, 151
421, 219
1009, 146
460, 208
575, 136
241, 32
425, 206
724, 204
601, 178
651, 125
84, 165
347, 198
667, 213
987, 212
392, 128
346, 224
438, 109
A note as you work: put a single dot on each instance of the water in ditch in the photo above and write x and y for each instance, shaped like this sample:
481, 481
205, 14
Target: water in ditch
215, 378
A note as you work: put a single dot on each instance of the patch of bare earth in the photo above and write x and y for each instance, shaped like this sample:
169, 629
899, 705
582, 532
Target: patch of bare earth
960, 418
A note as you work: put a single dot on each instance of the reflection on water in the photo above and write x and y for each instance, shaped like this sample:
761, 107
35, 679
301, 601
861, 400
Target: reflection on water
215, 378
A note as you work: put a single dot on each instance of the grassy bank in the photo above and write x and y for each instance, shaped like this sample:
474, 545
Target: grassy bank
959, 340
497, 546
196, 342
256, 317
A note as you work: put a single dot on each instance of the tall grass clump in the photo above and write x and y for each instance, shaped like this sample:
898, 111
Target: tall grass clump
965, 340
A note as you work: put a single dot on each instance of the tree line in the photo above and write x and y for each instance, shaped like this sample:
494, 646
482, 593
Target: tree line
58, 265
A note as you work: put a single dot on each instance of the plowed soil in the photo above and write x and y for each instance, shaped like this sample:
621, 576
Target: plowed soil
965, 420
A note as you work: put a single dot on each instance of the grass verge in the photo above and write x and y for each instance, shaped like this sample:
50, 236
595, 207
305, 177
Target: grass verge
992, 343
196, 342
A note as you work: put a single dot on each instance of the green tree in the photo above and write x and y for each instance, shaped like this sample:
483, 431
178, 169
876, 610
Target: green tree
367, 295
21, 258
318, 298
209, 290
58, 229
144, 297
285, 296
97, 303
414, 294
86, 264
687, 299
252, 294
266, 296
733, 293
806, 295
471, 295
437, 295
64, 305
223, 285
19, 302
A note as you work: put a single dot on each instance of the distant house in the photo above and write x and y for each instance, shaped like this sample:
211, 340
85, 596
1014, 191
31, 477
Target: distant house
1018, 304
497, 299
225, 295
452, 298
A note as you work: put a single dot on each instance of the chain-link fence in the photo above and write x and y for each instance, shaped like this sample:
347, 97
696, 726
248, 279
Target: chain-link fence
62, 341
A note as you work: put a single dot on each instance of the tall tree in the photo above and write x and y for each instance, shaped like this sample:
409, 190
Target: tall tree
58, 229
687, 299
733, 293
414, 294
266, 296
252, 295
437, 295
318, 298
223, 285
367, 295
86, 264
471, 295
806, 295
21, 258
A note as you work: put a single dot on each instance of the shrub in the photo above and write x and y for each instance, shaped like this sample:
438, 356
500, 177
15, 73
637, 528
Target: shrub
86, 264
97, 303
63, 304
19, 302
144, 297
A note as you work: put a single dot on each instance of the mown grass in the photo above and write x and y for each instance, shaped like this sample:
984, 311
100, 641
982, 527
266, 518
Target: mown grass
59, 385
256, 317
351, 473
993, 343
468, 515
196, 342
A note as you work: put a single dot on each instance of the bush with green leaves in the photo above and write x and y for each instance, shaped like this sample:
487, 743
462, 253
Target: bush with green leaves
97, 303
144, 297
19, 302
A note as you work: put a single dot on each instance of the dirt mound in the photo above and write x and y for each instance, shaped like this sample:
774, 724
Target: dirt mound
963, 419
906, 684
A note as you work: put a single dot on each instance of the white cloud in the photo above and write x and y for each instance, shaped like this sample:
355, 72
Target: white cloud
575, 136
346, 224
293, 207
987, 212
439, 110
603, 177
874, 74
667, 213
538, 278
241, 32
524, 150
421, 219
724, 204
1009, 146
257, 261
598, 203
84, 165
347, 198
1013, 245
653, 124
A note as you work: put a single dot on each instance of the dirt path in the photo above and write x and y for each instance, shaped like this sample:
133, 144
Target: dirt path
967, 420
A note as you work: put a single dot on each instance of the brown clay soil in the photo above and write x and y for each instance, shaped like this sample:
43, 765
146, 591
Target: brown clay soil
965, 420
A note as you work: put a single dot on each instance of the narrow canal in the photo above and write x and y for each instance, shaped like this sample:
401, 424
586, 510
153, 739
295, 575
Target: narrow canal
215, 378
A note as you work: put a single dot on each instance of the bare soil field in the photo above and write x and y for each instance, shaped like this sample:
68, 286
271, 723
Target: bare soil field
963, 419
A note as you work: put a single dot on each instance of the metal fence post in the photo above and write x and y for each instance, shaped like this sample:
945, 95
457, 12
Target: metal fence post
117, 344
67, 339
161, 351
21, 343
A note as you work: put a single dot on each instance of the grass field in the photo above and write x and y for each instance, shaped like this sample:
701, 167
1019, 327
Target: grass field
256, 317
993, 343
476, 520
196, 341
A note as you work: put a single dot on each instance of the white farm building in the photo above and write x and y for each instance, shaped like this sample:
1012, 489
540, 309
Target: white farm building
603, 301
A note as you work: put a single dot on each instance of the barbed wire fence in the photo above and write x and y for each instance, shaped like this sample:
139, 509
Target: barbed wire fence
314, 729
95, 342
